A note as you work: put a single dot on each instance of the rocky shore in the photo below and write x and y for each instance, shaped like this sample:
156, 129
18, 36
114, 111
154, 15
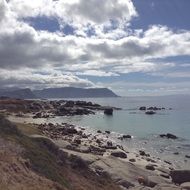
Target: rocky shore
128, 170
104, 157
46, 108
135, 170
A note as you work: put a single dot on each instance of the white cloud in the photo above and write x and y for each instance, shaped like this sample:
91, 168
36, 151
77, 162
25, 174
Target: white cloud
146, 67
110, 51
82, 15
174, 74
97, 73
149, 88
31, 48
3, 10
77, 11
99, 12
29, 77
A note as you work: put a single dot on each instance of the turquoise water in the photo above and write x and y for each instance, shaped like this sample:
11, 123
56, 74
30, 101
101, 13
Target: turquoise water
144, 128
132, 121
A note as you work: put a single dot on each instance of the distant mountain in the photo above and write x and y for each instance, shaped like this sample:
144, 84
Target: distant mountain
72, 92
17, 93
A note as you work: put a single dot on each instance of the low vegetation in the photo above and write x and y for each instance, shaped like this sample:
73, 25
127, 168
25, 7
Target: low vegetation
42, 160
68, 172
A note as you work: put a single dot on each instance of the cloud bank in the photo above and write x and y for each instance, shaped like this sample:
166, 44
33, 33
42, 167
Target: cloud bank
101, 43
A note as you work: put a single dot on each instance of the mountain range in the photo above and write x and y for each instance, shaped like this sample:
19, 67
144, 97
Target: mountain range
17, 93
65, 92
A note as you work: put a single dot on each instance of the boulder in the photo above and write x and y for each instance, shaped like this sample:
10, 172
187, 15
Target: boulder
120, 138
71, 147
77, 141
154, 108
152, 181
127, 136
71, 130
68, 110
108, 111
125, 183
163, 135
132, 160
141, 188
142, 108
37, 115
84, 149
97, 150
169, 136
119, 154
150, 167
165, 176
164, 170
69, 104
150, 112
166, 186
83, 111
180, 176
185, 186
98, 141
109, 147
150, 160
167, 162
109, 143
142, 152
108, 132
84, 136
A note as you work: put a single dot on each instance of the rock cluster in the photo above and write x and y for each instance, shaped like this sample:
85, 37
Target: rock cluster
169, 136
151, 110
79, 141
154, 108
45, 109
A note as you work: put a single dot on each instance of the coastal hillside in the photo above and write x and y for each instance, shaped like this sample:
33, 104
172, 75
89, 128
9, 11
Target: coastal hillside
17, 93
71, 92
36, 163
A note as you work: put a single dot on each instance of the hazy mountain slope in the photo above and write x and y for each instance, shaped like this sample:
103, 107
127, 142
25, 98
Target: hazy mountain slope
71, 92
17, 93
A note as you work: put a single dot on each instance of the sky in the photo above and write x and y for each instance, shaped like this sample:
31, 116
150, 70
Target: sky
133, 47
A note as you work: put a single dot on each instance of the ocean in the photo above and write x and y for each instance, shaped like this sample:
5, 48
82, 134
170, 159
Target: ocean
145, 129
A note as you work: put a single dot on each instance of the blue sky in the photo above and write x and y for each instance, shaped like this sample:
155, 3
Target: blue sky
173, 14
132, 47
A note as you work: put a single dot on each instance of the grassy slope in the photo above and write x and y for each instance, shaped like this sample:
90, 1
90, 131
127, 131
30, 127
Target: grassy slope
28, 129
44, 159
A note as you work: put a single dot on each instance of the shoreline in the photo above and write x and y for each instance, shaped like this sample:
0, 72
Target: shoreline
164, 152
103, 155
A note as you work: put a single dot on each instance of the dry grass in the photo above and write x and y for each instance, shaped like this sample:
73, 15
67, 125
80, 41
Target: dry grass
28, 129
45, 170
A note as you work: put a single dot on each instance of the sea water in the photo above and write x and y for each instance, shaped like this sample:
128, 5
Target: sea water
145, 129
